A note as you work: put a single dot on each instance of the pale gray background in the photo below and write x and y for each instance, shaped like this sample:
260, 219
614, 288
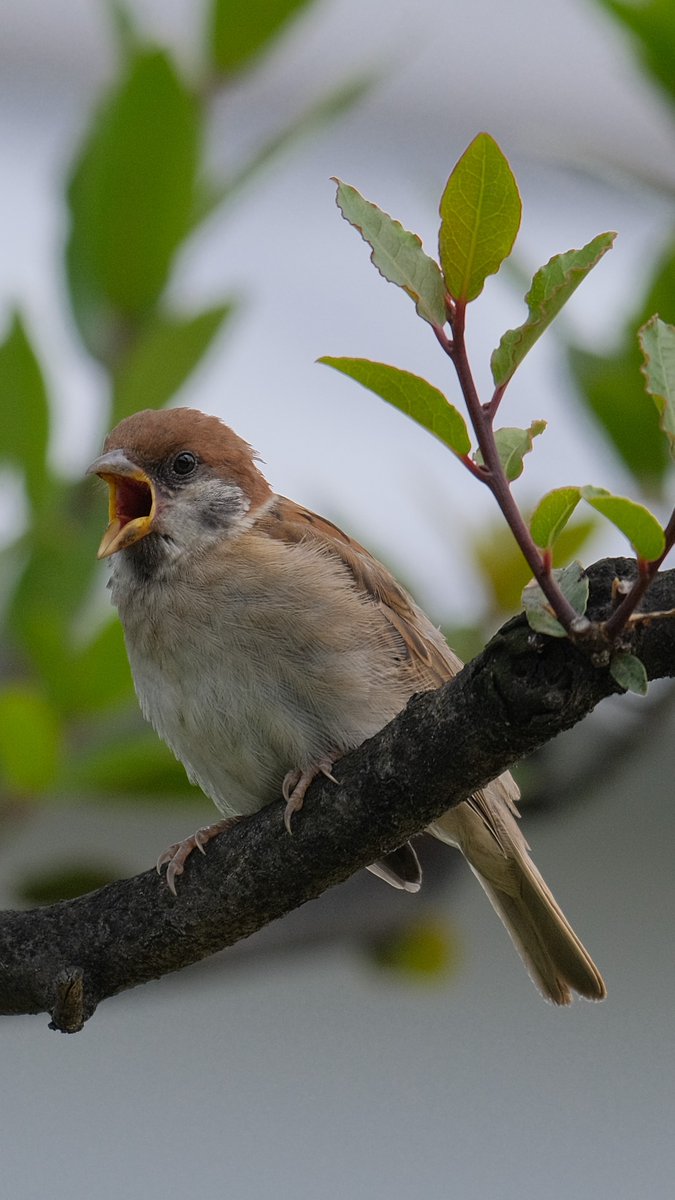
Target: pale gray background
314, 1076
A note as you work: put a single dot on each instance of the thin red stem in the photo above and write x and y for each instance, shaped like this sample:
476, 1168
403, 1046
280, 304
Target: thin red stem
493, 474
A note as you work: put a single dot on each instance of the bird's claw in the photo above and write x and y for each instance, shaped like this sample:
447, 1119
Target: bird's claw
296, 783
175, 856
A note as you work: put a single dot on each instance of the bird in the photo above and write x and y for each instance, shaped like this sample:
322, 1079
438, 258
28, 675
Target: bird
265, 643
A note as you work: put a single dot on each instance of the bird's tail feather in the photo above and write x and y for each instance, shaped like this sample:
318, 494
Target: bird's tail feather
554, 956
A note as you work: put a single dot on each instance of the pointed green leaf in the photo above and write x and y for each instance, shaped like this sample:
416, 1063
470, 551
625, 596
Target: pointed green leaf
30, 741
24, 411
238, 32
512, 446
634, 520
629, 672
397, 254
573, 583
412, 395
658, 347
551, 288
131, 195
480, 218
552, 514
163, 357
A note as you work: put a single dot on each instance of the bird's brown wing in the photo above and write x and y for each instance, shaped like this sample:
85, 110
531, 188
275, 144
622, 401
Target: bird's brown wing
429, 659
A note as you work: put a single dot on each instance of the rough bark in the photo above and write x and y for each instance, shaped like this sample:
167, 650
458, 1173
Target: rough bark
519, 693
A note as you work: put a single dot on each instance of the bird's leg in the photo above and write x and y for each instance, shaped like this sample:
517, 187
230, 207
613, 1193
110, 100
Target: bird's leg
296, 783
177, 855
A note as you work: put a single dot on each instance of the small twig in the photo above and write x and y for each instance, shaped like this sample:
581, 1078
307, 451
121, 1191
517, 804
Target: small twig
68, 1015
647, 571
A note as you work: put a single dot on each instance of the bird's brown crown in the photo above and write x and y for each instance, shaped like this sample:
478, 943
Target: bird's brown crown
154, 435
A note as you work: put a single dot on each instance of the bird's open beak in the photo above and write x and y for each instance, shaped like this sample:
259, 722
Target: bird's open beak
131, 499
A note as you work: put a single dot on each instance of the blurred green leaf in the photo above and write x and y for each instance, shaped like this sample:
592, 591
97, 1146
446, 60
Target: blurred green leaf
630, 673
131, 197
128, 38
162, 358
397, 254
65, 883
24, 412
411, 395
512, 446
425, 951
552, 514
504, 569
30, 740
611, 388
99, 676
60, 551
480, 217
551, 288
658, 347
131, 764
238, 30
633, 520
573, 583
652, 22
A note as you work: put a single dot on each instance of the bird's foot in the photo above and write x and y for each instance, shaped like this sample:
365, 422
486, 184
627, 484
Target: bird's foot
177, 855
296, 783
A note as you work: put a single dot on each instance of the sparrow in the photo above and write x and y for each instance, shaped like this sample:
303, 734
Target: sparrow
265, 643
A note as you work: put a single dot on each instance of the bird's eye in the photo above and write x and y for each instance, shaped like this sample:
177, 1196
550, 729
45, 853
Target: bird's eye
184, 463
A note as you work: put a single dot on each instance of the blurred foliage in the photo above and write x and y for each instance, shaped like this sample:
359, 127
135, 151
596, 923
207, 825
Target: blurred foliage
138, 189
610, 385
424, 951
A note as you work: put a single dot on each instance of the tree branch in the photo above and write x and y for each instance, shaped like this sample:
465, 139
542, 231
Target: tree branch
515, 696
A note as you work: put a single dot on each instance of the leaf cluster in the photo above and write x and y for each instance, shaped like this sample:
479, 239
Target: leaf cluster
480, 213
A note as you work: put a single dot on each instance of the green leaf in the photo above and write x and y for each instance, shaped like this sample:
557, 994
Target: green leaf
99, 677
397, 254
412, 395
30, 741
505, 571
634, 520
652, 23
658, 347
551, 288
24, 411
60, 550
131, 197
552, 514
612, 390
480, 218
512, 446
237, 31
629, 673
573, 583
163, 357
136, 764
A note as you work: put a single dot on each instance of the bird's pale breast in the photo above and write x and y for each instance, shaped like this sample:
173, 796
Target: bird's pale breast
261, 659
